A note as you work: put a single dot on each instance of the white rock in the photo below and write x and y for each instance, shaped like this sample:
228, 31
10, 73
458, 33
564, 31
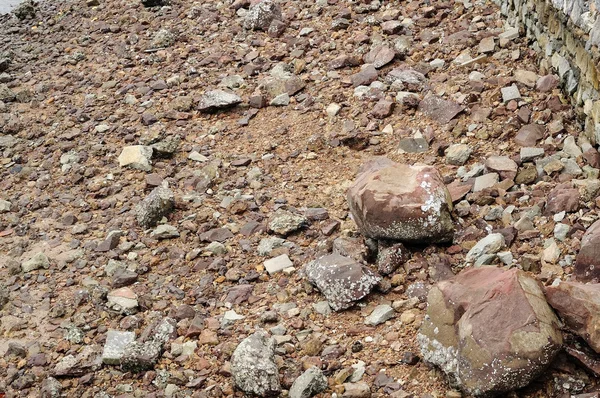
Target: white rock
491, 244
278, 263
136, 157
510, 93
380, 314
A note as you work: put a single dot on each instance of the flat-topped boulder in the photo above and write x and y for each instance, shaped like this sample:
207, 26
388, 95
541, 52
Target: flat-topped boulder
401, 202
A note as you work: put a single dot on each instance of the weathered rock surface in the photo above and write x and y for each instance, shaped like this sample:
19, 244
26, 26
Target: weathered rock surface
587, 264
310, 383
491, 331
253, 366
401, 202
217, 99
578, 305
155, 206
342, 280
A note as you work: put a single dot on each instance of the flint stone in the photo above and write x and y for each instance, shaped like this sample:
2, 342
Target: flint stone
342, 280
159, 203
253, 367
401, 202
217, 99
587, 263
489, 330
578, 305
115, 344
136, 157
439, 109
309, 383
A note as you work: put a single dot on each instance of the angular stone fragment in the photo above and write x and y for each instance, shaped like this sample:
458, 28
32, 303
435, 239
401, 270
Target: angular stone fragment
530, 134
261, 15
278, 263
123, 300
458, 154
309, 383
380, 314
510, 93
439, 109
401, 202
136, 157
159, 203
342, 280
578, 305
503, 165
143, 354
367, 75
253, 367
284, 222
380, 56
217, 99
390, 256
491, 244
115, 344
489, 330
587, 263
562, 198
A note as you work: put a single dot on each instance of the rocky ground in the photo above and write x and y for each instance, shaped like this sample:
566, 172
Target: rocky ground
170, 174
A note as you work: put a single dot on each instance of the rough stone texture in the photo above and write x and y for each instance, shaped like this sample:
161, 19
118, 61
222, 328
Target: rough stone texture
587, 264
380, 314
491, 331
155, 206
115, 344
439, 109
261, 15
342, 280
217, 99
578, 305
39, 260
253, 366
309, 383
136, 157
401, 202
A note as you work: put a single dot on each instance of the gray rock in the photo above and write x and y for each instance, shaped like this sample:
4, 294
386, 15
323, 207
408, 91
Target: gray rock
261, 15
123, 300
491, 244
163, 38
342, 280
115, 344
39, 260
458, 154
322, 307
309, 383
571, 148
413, 145
155, 206
281, 100
136, 157
5, 206
380, 314
530, 153
143, 355
485, 181
510, 93
253, 367
284, 222
217, 99
356, 390
165, 231
279, 263
51, 388
6, 94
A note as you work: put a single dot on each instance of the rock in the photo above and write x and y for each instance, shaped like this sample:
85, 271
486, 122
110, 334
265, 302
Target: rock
526, 78
123, 300
530, 153
526, 175
136, 157
25, 10
165, 231
503, 165
491, 244
39, 260
489, 330
281, 100
309, 383
143, 354
261, 15
163, 38
406, 79
253, 367
562, 198
413, 145
401, 202
487, 45
571, 148
530, 134
510, 93
380, 314
217, 99
284, 222
342, 280
158, 204
114, 346
587, 263
547, 83
379, 56
278, 263
382, 109
216, 235
51, 388
367, 75
485, 181
390, 256
439, 109
578, 305
458, 154
356, 390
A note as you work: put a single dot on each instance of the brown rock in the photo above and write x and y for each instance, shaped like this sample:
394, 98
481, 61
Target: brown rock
503, 165
592, 157
578, 305
530, 134
439, 109
562, 198
367, 75
382, 109
547, 83
489, 330
380, 56
401, 202
587, 264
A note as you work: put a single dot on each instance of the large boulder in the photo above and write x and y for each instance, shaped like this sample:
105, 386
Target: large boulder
342, 280
401, 202
587, 264
253, 366
489, 330
578, 305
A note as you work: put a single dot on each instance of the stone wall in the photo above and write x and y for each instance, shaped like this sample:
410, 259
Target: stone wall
567, 34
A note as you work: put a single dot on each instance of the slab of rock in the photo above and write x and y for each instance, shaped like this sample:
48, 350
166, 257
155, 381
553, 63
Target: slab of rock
401, 202
356, 390
530, 153
217, 99
279, 263
380, 314
587, 263
485, 181
503, 165
510, 93
165, 231
136, 157
562, 198
143, 354
115, 344
123, 300
489, 330
526, 77
530, 134
342, 280
253, 367
284, 222
309, 383
412, 145
439, 109
547, 83
578, 305
159, 203
367, 75
380, 56
216, 235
